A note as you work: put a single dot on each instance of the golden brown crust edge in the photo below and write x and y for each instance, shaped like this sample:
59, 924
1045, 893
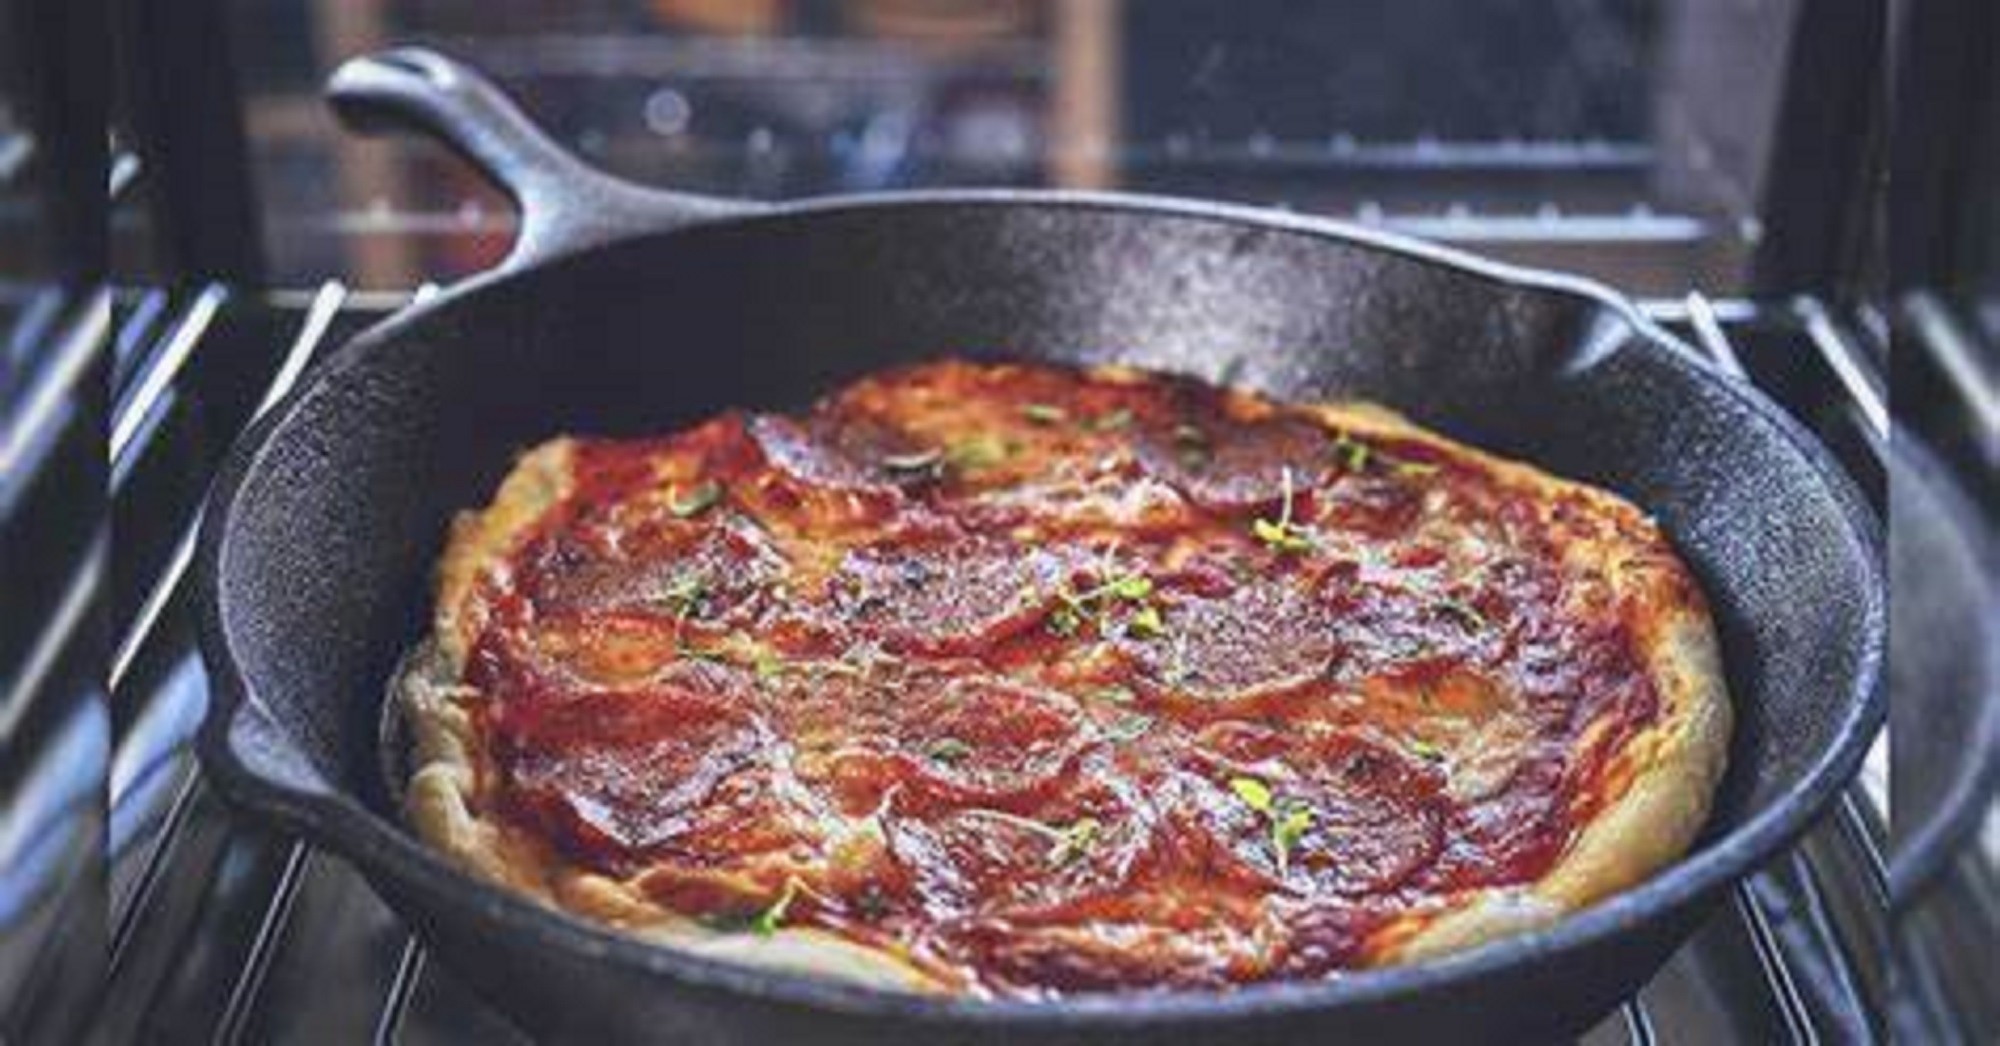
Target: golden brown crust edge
1647, 828
1680, 759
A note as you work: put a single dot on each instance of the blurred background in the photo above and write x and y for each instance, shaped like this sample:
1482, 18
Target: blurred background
1807, 192
1629, 137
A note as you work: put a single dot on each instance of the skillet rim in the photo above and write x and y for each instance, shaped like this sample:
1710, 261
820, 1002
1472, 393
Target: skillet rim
374, 844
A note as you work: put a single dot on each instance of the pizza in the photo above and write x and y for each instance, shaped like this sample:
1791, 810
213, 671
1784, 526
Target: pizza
1020, 680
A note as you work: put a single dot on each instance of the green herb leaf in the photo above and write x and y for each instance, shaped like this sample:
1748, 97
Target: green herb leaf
1117, 419
1131, 587
1128, 727
1044, 413
1064, 621
696, 501
1413, 469
1426, 750
1465, 613
948, 750
769, 665
1283, 535
1075, 840
685, 594
693, 653
1255, 794
1117, 695
1146, 623
984, 450
768, 920
1289, 824
1352, 453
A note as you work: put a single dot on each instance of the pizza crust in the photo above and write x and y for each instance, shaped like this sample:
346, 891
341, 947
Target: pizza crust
1643, 830
1680, 758
1677, 761
440, 803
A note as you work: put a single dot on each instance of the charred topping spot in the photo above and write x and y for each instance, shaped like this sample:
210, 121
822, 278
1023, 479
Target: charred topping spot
915, 465
1191, 446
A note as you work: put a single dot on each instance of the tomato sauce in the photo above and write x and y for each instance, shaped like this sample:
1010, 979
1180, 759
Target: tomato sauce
1052, 682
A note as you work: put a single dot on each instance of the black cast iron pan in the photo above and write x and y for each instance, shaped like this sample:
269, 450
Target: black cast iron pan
627, 311
1944, 670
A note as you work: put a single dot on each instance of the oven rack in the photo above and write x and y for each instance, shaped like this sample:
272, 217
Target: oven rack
223, 930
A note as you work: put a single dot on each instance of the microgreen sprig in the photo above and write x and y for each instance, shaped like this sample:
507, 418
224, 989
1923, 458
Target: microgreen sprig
1076, 608
948, 750
694, 502
1075, 840
767, 921
1066, 842
1283, 535
1464, 613
1288, 819
1355, 456
684, 595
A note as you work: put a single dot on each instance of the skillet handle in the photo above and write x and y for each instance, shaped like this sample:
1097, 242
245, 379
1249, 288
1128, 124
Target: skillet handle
565, 204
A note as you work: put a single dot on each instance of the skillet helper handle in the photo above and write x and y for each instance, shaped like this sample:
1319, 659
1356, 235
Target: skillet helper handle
566, 205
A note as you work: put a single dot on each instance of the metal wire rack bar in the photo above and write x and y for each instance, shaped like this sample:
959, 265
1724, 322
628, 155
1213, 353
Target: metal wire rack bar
139, 404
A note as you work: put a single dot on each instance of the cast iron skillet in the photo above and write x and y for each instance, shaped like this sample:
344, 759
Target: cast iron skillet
1944, 670
627, 311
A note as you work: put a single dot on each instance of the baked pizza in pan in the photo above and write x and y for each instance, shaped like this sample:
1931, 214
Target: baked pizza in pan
1017, 680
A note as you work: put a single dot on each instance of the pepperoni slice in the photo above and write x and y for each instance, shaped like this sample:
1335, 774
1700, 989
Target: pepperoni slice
983, 656
1366, 819
965, 740
1079, 846
1252, 638
1373, 505
1232, 466
944, 594
680, 770
712, 569
606, 650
